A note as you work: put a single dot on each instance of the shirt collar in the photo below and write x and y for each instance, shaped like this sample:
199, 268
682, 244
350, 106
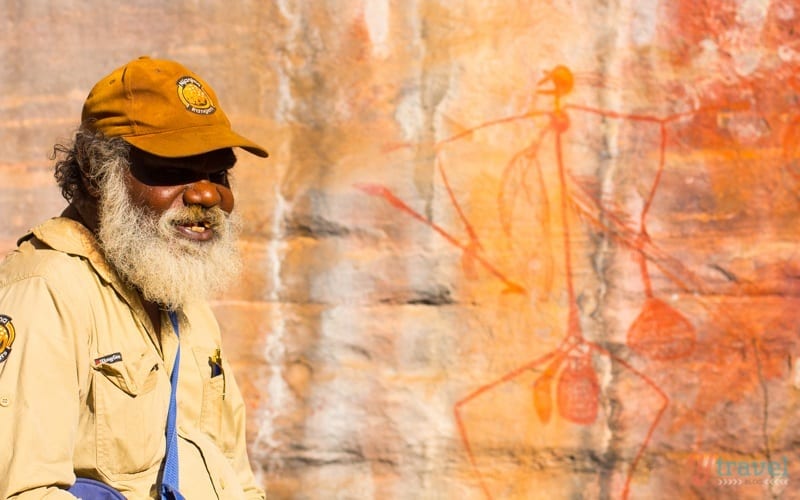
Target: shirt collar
72, 237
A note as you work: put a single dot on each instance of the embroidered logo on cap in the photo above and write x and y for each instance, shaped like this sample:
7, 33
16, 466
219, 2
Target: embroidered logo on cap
7, 335
193, 97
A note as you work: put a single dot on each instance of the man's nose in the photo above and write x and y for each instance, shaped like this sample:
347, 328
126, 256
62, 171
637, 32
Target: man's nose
203, 192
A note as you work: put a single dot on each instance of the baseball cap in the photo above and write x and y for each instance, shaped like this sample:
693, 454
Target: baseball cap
163, 108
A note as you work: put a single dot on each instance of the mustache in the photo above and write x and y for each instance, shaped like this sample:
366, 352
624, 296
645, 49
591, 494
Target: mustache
213, 218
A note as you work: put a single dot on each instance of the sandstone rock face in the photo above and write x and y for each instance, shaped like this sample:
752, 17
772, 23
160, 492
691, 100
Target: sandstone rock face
500, 249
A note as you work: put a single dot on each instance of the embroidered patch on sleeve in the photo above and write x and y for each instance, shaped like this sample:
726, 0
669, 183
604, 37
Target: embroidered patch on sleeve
7, 335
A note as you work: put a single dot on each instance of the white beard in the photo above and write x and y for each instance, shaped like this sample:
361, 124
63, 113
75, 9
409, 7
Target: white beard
147, 252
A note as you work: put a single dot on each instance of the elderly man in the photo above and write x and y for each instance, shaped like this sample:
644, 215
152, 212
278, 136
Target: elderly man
111, 365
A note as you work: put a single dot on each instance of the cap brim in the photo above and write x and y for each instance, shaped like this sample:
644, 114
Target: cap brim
193, 141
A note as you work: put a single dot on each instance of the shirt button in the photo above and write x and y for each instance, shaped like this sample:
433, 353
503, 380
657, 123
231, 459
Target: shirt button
5, 401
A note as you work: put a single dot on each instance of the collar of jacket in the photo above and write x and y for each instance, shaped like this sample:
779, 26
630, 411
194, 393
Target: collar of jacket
72, 237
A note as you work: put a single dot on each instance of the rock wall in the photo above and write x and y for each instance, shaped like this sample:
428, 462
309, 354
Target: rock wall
505, 250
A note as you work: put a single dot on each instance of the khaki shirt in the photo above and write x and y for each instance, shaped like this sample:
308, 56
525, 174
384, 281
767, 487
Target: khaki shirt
85, 383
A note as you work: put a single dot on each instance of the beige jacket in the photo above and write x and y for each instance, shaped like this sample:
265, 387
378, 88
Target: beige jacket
84, 383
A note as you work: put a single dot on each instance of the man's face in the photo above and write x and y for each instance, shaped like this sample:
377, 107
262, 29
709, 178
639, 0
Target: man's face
158, 184
165, 225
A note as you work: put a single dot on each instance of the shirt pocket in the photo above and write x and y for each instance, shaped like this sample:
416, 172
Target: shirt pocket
131, 398
215, 417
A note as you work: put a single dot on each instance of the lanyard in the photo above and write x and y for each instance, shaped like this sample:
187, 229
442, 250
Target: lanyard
169, 481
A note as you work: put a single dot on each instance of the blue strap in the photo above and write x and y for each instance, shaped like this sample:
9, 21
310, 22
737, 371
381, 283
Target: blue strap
91, 489
169, 480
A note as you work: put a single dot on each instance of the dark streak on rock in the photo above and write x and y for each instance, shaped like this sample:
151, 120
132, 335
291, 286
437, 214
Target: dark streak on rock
314, 227
439, 296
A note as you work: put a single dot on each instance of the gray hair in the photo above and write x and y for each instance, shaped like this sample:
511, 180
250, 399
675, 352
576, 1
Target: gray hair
85, 160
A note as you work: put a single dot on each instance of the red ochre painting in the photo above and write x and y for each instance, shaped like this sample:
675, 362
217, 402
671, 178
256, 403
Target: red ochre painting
663, 274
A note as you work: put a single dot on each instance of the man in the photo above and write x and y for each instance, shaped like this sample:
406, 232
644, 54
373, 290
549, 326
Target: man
99, 305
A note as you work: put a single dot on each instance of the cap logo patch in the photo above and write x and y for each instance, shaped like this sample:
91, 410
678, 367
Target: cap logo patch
193, 97
7, 335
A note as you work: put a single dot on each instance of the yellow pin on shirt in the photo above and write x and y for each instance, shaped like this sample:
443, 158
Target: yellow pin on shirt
215, 361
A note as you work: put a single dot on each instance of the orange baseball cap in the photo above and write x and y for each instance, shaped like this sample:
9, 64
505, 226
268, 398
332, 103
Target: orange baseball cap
162, 108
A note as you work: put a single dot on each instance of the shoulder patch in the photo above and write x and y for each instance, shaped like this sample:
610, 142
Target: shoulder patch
7, 335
